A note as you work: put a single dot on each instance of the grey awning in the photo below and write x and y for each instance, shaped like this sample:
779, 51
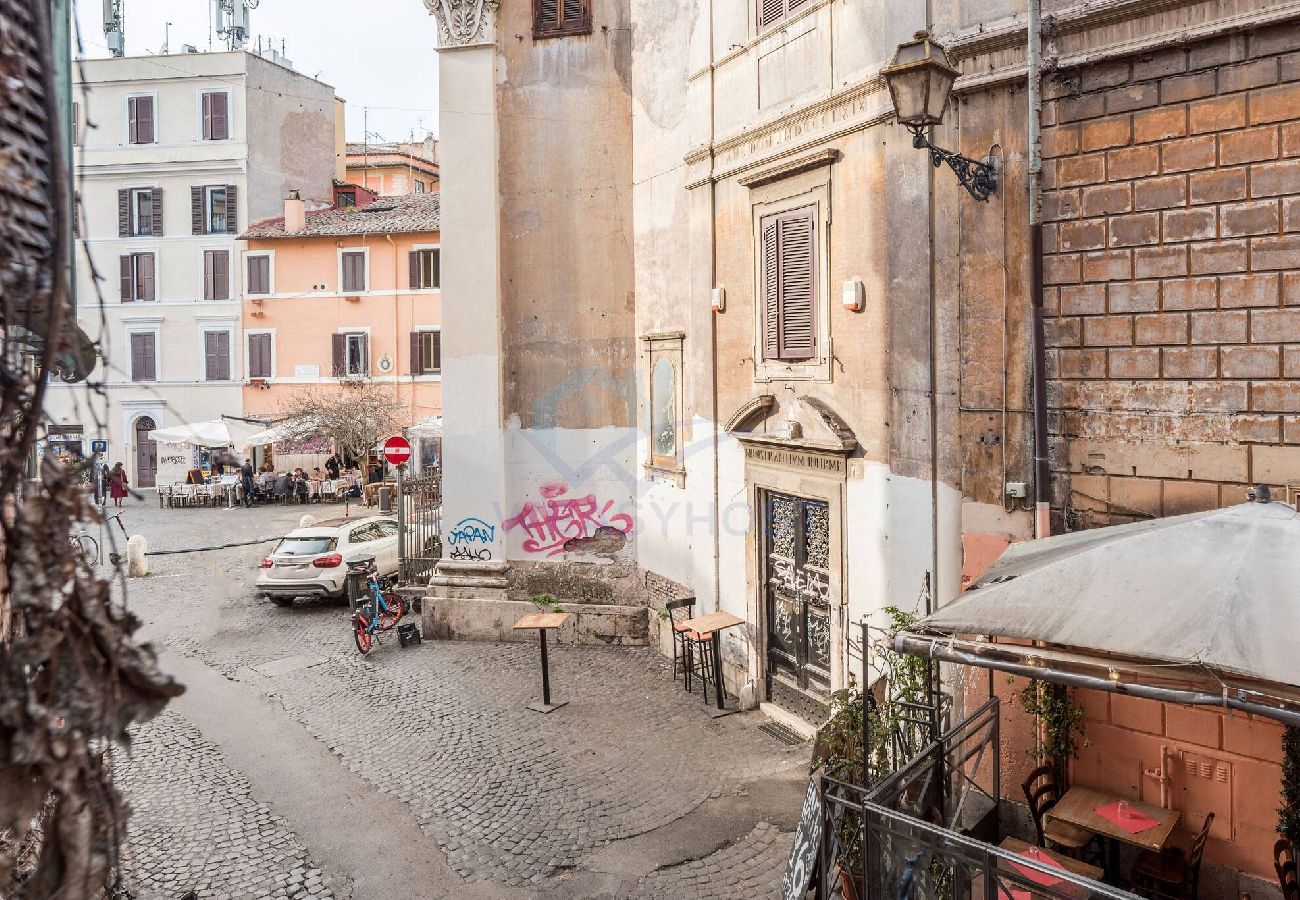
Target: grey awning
1215, 593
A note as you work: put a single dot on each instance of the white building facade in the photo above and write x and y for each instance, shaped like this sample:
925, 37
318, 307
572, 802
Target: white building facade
175, 156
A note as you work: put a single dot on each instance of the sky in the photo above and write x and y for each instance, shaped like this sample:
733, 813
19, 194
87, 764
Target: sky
375, 53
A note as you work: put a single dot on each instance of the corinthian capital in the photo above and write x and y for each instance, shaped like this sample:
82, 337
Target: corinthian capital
463, 22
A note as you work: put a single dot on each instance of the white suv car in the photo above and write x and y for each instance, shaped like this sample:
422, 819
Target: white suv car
313, 561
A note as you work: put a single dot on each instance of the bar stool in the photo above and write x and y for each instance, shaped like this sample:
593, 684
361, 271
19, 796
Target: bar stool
679, 634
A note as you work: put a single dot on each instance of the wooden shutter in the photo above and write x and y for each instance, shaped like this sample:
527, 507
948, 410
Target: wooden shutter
259, 274
354, 272
128, 279
435, 364
210, 355
216, 346
208, 286
339, 346
770, 11
207, 117
156, 210
220, 274
132, 121
435, 267
144, 277
140, 124
771, 289
414, 266
572, 10
197, 219
798, 284
259, 356
417, 363
143, 357
232, 209
548, 15
124, 213
220, 112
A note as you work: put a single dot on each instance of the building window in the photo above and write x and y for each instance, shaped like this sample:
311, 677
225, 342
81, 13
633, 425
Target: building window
139, 212
353, 266
772, 11
216, 274
140, 120
426, 352
213, 209
144, 356
665, 402
426, 269
347, 198
259, 273
419, 186
216, 355
351, 355
556, 18
216, 115
137, 277
788, 261
259, 356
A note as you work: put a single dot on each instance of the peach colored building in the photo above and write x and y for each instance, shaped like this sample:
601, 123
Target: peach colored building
395, 168
340, 294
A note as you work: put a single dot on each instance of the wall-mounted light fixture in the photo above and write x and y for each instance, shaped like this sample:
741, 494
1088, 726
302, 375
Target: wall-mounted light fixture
718, 299
853, 295
920, 79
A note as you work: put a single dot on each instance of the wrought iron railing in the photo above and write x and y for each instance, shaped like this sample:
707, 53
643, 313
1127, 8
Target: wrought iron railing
930, 830
421, 507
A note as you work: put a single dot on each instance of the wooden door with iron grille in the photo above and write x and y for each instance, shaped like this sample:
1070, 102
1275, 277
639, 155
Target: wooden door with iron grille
797, 598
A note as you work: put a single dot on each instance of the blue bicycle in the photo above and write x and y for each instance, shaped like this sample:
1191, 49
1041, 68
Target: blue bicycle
380, 612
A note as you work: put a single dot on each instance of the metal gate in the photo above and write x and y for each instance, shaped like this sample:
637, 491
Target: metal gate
798, 604
420, 505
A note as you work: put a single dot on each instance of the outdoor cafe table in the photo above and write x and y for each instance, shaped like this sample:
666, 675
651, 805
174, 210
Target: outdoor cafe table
715, 622
541, 622
1079, 807
1017, 846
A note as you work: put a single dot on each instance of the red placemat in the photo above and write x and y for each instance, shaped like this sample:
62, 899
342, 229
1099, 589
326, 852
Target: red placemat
1131, 820
1034, 875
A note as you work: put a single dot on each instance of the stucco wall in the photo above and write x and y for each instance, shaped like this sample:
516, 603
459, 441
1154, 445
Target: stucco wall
291, 129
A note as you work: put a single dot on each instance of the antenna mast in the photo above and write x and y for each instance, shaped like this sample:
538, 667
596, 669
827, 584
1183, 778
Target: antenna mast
232, 21
115, 27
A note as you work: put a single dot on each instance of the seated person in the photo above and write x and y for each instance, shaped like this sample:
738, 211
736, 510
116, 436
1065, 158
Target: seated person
283, 485
317, 475
376, 474
300, 488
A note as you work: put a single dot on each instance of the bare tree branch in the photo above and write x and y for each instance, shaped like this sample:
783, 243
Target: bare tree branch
355, 416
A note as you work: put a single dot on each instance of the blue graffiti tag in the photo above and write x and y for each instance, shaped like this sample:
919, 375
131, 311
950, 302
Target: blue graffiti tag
472, 531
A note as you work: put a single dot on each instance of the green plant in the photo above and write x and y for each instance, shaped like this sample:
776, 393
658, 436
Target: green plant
1288, 815
546, 603
1061, 720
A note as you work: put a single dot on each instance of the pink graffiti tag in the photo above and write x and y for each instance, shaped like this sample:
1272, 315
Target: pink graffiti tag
558, 521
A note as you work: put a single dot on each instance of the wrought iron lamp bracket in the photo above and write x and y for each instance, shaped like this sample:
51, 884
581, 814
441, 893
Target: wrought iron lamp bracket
978, 177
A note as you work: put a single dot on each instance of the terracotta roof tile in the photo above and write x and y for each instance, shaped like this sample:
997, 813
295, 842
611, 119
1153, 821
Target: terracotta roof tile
402, 214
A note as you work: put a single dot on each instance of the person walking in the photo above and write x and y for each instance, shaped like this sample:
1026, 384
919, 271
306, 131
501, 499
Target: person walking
246, 476
118, 484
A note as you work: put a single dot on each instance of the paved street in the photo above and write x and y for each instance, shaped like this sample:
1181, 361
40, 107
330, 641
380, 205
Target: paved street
294, 767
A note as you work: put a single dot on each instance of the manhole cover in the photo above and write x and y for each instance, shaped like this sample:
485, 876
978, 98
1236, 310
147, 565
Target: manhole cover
781, 733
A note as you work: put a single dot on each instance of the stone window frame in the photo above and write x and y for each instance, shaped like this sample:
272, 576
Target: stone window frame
669, 346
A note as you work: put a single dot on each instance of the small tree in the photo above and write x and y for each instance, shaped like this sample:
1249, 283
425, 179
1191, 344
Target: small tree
355, 417
1288, 821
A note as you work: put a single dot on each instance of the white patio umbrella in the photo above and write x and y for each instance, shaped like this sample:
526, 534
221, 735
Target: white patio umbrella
213, 433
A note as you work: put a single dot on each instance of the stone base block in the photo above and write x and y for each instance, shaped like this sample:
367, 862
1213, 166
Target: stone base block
492, 619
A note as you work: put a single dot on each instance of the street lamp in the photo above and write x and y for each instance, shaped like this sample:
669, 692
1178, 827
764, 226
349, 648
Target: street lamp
920, 79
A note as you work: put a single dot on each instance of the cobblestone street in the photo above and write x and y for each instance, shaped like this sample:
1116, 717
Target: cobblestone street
294, 767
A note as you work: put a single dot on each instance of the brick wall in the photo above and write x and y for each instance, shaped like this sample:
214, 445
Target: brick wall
1172, 203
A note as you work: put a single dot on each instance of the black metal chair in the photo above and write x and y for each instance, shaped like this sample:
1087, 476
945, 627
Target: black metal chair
692, 651
1172, 874
1042, 793
679, 632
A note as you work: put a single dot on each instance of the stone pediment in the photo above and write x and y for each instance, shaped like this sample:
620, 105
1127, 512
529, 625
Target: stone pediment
796, 423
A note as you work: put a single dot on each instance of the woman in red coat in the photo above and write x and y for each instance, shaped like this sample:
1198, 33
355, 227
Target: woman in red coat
117, 484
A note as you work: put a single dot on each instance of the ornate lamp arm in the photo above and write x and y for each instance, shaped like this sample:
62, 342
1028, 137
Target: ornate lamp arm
979, 178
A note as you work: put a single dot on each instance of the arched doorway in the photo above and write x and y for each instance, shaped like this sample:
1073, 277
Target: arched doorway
146, 453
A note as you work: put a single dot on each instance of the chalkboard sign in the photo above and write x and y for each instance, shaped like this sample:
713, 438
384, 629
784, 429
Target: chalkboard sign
802, 866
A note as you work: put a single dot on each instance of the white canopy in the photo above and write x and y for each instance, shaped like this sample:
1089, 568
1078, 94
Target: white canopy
285, 431
221, 432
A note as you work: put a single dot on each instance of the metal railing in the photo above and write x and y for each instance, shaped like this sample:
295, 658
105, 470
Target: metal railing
421, 509
929, 831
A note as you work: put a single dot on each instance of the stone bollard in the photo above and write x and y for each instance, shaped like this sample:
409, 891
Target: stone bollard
137, 561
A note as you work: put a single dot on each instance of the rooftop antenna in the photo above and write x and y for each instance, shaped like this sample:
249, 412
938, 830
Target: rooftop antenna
232, 21
167, 39
115, 27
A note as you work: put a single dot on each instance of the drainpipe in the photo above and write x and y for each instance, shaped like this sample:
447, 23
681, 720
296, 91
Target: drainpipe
1042, 465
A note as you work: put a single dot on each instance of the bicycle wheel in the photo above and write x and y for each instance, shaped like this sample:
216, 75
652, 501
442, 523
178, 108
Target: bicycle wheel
393, 615
87, 548
361, 633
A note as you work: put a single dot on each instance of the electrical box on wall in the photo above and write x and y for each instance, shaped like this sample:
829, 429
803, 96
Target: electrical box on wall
854, 295
1017, 489
718, 299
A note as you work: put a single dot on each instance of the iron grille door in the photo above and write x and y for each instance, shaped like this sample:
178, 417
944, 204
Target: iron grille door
797, 588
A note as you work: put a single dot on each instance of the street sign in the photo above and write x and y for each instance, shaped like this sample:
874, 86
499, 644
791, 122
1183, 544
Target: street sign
99, 446
397, 450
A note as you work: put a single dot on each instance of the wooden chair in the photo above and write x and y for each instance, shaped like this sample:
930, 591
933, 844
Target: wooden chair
1042, 793
1287, 875
1172, 874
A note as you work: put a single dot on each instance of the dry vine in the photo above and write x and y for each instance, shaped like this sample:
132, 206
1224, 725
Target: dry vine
72, 678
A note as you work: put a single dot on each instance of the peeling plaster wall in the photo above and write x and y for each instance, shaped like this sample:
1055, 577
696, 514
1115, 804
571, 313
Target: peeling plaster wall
291, 125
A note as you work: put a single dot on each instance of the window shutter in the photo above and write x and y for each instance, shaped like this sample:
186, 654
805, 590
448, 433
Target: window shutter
339, 345
798, 337
132, 121
143, 358
144, 263
232, 209
220, 274
144, 120
128, 280
209, 289
548, 15
436, 256
207, 117
417, 364
259, 275
220, 116
124, 213
210, 361
196, 210
218, 355
771, 290
414, 263
435, 364
769, 11
572, 11
259, 356
157, 209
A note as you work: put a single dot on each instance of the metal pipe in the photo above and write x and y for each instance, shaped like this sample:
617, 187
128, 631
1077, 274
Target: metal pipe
1038, 349
938, 648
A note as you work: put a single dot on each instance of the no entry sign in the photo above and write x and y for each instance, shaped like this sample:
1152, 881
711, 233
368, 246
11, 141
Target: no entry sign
397, 450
